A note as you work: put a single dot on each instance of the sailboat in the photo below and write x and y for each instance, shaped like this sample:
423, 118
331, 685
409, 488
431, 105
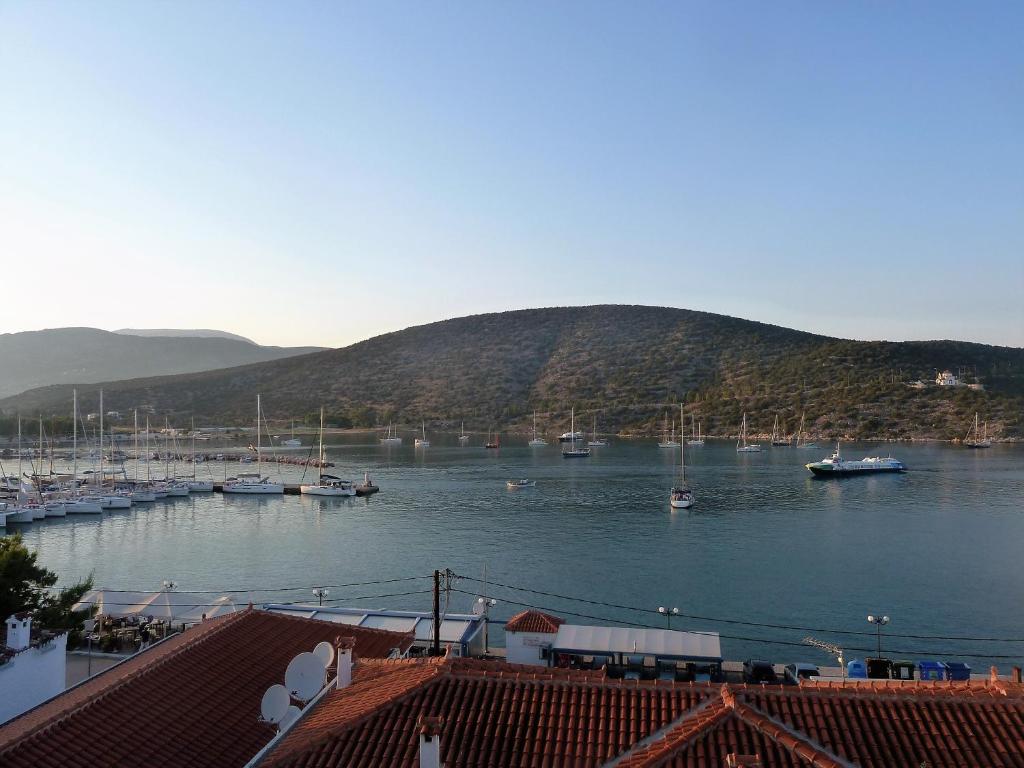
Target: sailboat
574, 451
800, 436
595, 442
195, 485
328, 485
492, 444
422, 442
670, 442
391, 438
463, 437
681, 497
695, 426
536, 442
113, 499
78, 504
293, 441
249, 482
141, 492
175, 487
741, 445
977, 438
778, 436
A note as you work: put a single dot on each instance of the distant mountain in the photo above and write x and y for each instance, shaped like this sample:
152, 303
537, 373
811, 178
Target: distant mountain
192, 333
628, 365
87, 355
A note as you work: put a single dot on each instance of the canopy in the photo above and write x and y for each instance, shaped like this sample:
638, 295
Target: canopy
185, 607
664, 643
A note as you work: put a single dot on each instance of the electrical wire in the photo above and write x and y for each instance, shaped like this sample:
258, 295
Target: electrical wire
764, 625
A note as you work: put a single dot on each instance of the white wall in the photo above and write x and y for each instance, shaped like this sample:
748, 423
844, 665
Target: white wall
525, 647
32, 677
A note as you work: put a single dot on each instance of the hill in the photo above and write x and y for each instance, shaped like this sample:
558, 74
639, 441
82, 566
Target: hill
194, 333
627, 364
88, 355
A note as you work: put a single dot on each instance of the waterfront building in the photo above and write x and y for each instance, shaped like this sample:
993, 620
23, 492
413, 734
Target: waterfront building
32, 666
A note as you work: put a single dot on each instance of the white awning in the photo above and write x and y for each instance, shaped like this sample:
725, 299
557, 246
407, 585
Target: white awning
392, 623
665, 643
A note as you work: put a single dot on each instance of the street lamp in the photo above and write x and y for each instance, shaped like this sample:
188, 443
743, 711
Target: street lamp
668, 613
879, 622
481, 608
169, 585
320, 593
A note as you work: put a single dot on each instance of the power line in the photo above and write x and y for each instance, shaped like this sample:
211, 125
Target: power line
975, 655
738, 622
106, 603
259, 589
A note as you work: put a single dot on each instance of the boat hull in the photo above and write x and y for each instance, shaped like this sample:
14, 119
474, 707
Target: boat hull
254, 488
846, 472
200, 486
319, 490
83, 507
680, 503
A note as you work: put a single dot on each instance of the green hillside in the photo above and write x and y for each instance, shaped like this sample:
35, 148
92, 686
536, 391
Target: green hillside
627, 364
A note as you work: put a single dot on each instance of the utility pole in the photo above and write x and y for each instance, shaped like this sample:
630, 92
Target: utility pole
436, 648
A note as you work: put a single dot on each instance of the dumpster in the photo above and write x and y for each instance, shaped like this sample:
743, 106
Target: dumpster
903, 670
879, 669
957, 670
857, 669
932, 670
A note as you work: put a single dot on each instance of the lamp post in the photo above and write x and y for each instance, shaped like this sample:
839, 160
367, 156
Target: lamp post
482, 608
169, 585
879, 622
320, 593
668, 613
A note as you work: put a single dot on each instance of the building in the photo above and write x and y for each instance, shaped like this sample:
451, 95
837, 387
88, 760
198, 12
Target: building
463, 713
528, 637
463, 632
192, 700
947, 379
32, 669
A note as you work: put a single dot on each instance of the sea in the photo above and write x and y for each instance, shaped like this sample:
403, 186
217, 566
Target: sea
768, 557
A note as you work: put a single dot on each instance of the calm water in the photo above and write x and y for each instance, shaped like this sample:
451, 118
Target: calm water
938, 549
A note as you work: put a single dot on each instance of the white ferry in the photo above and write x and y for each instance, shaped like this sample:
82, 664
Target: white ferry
835, 465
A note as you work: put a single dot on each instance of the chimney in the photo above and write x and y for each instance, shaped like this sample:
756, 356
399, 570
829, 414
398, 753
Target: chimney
430, 742
19, 631
1016, 675
344, 647
734, 760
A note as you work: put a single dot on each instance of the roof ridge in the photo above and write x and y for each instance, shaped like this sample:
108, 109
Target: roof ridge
787, 737
654, 748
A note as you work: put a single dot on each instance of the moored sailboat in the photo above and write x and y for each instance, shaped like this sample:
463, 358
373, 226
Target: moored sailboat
254, 483
536, 442
681, 497
977, 438
327, 485
574, 451
742, 446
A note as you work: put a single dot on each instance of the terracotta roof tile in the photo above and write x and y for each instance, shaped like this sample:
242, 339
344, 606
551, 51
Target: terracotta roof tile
192, 700
534, 621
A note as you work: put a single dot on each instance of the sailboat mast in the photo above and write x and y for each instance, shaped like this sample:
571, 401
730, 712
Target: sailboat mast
682, 448
193, 447
322, 436
74, 439
101, 438
259, 458
20, 471
148, 476
135, 419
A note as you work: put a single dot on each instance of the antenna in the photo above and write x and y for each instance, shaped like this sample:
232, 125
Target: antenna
325, 652
290, 717
305, 676
275, 704
832, 648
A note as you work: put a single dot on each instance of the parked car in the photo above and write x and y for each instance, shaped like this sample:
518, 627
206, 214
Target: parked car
794, 673
755, 671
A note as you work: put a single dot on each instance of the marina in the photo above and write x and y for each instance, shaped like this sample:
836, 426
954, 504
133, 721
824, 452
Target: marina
585, 523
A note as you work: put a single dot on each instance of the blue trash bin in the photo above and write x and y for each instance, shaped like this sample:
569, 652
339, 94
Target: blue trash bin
856, 669
932, 670
957, 670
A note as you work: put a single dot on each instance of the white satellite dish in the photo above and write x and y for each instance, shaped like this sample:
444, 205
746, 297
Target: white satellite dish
289, 717
325, 652
305, 676
275, 703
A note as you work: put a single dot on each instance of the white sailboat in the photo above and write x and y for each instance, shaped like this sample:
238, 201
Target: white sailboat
536, 442
597, 442
668, 442
293, 441
327, 485
175, 487
254, 483
800, 442
574, 451
778, 437
741, 445
108, 498
977, 438
463, 437
422, 442
695, 426
681, 497
142, 493
391, 438
78, 503
195, 485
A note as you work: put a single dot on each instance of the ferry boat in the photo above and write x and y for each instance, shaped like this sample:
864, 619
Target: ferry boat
835, 465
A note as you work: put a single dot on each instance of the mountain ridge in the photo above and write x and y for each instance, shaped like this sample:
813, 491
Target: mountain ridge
622, 362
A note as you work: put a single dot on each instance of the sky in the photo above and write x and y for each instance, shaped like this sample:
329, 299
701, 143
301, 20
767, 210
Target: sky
321, 172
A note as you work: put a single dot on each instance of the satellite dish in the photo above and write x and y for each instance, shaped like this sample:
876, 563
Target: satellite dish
305, 676
289, 717
325, 652
275, 703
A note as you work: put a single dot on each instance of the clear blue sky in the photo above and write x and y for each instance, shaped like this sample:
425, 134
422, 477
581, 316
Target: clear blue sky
323, 172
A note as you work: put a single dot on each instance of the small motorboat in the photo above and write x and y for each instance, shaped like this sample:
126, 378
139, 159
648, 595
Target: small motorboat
515, 485
366, 487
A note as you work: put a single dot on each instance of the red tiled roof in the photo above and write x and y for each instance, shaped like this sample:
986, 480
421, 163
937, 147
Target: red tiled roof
192, 700
534, 621
496, 714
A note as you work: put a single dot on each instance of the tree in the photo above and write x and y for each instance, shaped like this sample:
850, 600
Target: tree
24, 586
